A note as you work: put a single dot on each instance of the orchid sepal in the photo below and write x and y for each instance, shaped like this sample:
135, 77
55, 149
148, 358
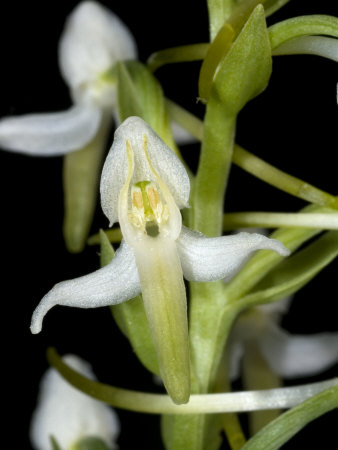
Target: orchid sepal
50, 134
163, 160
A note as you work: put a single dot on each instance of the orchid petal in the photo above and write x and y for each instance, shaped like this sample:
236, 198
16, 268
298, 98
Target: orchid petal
93, 40
50, 134
69, 415
311, 45
297, 355
209, 259
113, 284
165, 163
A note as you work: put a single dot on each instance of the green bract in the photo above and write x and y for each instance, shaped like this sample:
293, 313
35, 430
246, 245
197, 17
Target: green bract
140, 94
246, 69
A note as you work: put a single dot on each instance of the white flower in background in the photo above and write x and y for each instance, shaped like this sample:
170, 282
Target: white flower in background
93, 40
68, 415
324, 46
143, 186
289, 356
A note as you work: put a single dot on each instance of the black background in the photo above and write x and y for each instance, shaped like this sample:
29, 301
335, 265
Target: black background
292, 124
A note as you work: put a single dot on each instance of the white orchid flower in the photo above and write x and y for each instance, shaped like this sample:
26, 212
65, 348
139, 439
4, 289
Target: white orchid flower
287, 355
68, 415
143, 186
93, 40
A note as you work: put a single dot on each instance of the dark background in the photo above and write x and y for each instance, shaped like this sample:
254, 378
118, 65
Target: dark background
292, 124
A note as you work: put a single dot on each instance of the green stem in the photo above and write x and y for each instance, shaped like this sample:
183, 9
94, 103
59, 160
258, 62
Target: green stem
328, 221
211, 403
213, 170
281, 180
183, 53
208, 326
206, 336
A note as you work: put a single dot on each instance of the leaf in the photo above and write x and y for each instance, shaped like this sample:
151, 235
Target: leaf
293, 273
278, 432
264, 261
302, 26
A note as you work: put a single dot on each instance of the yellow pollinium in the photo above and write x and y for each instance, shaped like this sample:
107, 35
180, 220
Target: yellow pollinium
148, 211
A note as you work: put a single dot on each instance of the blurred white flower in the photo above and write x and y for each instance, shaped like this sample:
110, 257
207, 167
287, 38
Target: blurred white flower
68, 415
93, 40
289, 356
